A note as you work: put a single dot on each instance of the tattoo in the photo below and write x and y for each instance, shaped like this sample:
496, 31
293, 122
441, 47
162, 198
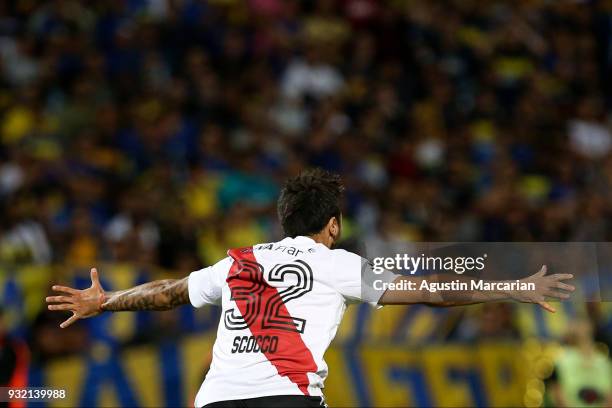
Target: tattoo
163, 294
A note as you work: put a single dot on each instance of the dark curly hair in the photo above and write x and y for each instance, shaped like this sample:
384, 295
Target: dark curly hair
308, 201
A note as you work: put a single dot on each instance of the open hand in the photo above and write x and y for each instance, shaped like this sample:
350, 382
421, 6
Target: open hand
82, 303
546, 286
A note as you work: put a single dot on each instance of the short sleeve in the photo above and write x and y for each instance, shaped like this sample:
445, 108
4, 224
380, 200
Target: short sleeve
354, 278
205, 286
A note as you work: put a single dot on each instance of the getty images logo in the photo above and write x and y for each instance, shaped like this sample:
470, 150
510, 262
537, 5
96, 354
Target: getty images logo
422, 263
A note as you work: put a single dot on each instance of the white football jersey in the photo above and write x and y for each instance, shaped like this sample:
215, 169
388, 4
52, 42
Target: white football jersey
281, 305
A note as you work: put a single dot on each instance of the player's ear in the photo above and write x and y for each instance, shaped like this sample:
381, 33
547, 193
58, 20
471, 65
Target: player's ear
333, 226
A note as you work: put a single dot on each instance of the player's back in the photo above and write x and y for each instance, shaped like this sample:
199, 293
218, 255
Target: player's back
281, 305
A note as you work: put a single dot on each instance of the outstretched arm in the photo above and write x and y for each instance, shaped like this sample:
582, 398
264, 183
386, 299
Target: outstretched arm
546, 286
156, 295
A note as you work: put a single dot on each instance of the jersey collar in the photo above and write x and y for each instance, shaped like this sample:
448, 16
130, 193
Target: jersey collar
300, 239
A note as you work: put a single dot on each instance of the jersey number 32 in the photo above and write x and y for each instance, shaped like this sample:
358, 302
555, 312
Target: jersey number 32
259, 299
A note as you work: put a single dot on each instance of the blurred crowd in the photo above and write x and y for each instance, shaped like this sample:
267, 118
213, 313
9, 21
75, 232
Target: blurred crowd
160, 131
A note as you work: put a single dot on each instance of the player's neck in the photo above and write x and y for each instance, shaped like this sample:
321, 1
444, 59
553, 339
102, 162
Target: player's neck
322, 238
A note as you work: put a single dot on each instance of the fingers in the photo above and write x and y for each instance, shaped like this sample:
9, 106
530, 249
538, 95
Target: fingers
562, 276
65, 289
542, 271
58, 299
69, 321
564, 286
63, 306
547, 307
95, 280
558, 295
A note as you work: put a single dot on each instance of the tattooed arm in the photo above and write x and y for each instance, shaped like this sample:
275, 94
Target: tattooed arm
157, 295
163, 294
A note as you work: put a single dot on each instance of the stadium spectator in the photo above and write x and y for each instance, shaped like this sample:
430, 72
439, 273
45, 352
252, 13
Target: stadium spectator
157, 133
583, 374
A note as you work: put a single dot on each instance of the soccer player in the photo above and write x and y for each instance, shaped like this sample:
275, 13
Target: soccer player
282, 302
